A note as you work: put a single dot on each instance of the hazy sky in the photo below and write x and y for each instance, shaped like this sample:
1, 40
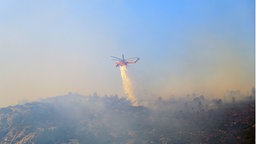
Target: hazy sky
52, 47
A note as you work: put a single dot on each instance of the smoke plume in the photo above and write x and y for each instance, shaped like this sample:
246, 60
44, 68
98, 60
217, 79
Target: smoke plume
127, 85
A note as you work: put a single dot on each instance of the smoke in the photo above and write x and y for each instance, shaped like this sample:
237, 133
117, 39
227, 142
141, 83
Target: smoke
127, 85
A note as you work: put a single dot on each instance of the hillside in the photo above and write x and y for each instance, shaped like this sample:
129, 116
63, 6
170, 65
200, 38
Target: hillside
75, 119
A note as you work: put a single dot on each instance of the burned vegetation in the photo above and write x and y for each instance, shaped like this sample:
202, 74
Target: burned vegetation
74, 119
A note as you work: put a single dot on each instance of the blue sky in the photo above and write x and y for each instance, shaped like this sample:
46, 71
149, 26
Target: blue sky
49, 48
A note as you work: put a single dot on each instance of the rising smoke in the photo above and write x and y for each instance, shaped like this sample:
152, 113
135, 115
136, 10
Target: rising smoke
127, 86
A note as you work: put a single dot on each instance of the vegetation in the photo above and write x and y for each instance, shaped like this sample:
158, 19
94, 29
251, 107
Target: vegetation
74, 119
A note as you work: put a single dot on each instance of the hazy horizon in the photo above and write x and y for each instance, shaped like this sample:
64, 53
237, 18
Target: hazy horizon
49, 48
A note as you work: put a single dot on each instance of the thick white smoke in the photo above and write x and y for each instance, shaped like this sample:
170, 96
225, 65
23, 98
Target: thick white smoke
127, 85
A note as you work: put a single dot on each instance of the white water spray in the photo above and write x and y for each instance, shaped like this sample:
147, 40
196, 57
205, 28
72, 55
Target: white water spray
127, 85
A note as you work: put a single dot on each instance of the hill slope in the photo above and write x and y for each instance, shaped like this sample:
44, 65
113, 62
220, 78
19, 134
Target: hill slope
75, 119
